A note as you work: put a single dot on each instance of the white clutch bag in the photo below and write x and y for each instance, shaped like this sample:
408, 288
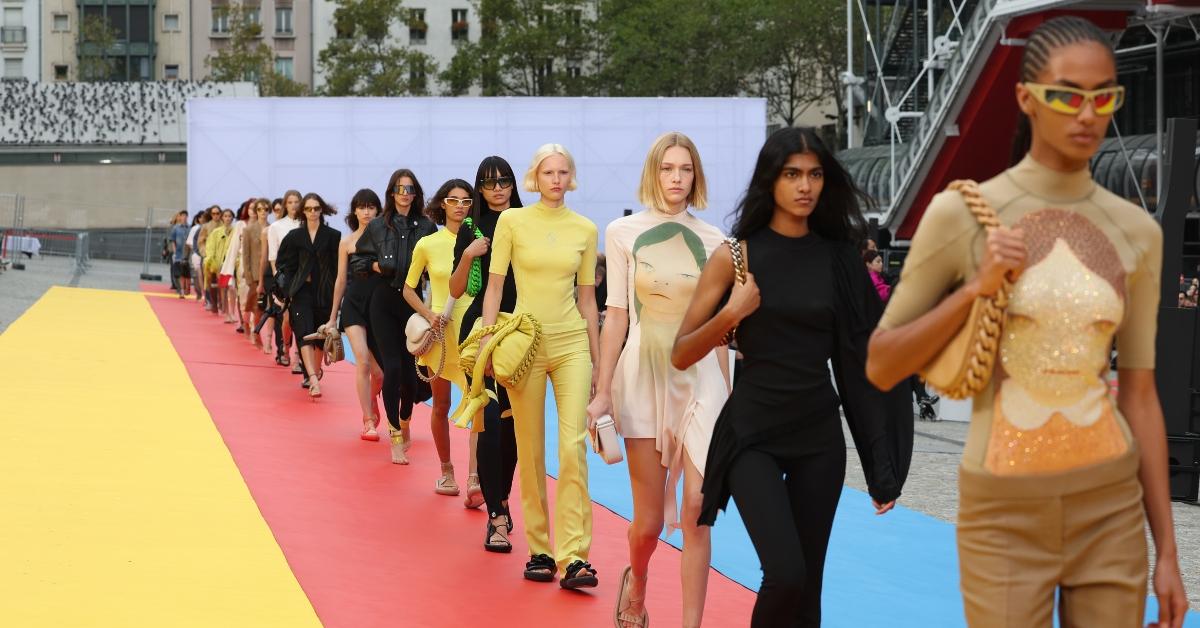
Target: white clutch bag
604, 441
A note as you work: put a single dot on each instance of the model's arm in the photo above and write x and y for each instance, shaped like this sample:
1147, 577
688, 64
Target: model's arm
339, 285
586, 301
1137, 397
723, 362
703, 326
612, 340
895, 354
458, 281
415, 269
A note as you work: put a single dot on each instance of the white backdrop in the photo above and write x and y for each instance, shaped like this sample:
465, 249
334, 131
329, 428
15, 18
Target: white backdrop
238, 148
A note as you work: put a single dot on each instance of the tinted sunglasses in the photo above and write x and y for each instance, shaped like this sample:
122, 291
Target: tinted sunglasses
458, 202
1070, 100
405, 189
492, 183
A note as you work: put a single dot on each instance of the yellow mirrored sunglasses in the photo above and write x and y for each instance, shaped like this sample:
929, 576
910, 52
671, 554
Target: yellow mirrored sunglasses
1070, 100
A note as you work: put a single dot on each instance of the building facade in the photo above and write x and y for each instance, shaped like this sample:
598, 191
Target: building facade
19, 39
287, 31
435, 27
150, 39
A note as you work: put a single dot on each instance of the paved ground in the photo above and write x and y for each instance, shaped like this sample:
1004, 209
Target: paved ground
932, 486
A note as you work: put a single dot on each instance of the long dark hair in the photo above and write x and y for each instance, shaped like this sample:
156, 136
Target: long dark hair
1050, 36
389, 202
838, 215
436, 212
362, 198
326, 208
493, 166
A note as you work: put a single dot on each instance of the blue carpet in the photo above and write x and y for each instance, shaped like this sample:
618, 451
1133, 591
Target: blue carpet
902, 566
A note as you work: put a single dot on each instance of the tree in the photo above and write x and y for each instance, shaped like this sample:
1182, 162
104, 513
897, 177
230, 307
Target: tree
364, 60
526, 48
246, 58
667, 48
806, 56
96, 40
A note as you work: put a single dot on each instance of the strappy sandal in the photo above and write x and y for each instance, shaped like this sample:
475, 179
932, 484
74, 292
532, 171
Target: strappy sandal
446, 484
282, 360
474, 498
572, 579
369, 432
540, 568
503, 546
622, 619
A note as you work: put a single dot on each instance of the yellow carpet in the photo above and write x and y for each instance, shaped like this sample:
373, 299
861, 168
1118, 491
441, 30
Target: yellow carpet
119, 503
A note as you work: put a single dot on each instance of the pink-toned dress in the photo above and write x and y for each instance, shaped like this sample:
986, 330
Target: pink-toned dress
654, 262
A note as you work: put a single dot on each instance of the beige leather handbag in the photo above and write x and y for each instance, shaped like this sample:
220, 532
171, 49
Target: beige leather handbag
964, 367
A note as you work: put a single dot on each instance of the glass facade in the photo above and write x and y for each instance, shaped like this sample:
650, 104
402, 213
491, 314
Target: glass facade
132, 22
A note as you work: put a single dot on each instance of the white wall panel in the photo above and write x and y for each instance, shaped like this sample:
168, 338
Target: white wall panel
238, 148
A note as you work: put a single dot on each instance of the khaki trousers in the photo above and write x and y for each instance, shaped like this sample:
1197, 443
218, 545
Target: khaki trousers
1080, 533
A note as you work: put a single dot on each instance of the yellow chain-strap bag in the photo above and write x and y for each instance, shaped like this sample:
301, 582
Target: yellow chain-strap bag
512, 348
964, 367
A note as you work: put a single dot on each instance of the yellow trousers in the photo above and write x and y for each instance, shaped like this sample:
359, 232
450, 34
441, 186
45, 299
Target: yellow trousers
1079, 534
564, 357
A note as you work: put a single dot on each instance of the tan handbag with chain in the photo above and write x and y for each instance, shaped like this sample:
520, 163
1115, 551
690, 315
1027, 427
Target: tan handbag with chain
964, 367
737, 252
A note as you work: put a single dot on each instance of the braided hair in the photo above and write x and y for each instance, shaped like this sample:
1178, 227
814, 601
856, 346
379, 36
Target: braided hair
1051, 35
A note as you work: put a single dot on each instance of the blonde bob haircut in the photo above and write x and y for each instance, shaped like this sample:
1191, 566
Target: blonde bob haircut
650, 191
544, 151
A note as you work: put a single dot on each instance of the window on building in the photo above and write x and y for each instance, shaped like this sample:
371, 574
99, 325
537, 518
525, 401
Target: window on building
283, 67
171, 72
140, 24
459, 28
220, 20
417, 26
576, 17
142, 68
60, 72
12, 16
416, 77
62, 23
253, 15
12, 67
171, 23
574, 68
283, 20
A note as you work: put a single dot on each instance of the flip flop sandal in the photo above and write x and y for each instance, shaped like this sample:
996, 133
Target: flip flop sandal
540, 568
620, 618
572, 579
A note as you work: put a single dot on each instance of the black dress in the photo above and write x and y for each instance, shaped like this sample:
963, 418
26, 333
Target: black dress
777, 444
356, 303
310, 268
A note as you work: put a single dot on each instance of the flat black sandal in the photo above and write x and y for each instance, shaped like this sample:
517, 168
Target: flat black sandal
571, 579
503, 547
540, 568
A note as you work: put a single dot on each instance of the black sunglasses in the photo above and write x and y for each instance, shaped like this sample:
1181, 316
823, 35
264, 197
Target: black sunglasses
491, 183
405, 189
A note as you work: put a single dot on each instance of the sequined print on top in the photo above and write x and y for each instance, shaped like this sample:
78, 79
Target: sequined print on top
1052, 408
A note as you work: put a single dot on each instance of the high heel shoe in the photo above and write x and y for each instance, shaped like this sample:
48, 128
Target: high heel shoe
369, 432
446, 484
474, 498
399, 447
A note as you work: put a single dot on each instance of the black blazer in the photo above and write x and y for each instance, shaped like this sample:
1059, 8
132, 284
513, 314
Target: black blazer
391, 243
299, 257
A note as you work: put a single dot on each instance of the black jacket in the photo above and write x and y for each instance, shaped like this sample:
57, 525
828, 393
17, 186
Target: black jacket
391, 243
300, 257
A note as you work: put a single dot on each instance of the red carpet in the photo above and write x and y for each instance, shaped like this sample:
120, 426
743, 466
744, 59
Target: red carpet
369, 541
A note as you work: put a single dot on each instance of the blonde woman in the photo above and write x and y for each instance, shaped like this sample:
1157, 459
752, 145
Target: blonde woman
666, 416
552, 250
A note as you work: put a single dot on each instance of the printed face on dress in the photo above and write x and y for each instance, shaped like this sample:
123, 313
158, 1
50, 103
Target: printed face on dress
676, 175
404, 198
457, 204
799, 184
553, 177
1084, 65
665, 278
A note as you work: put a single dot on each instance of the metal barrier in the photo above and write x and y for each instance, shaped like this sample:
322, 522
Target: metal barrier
31, 243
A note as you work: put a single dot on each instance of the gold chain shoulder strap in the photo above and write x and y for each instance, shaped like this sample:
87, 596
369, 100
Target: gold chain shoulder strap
737, 254
982, 358
439, 337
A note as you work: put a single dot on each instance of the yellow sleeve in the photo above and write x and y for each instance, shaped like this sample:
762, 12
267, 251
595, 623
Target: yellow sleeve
502, 244
417, 267
1135, 338
936, 263
587, 266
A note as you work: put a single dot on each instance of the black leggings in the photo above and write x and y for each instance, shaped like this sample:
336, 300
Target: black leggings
789, 520
497, 451
389, 314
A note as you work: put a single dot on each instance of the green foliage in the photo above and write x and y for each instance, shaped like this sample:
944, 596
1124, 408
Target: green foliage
363, 60
526, 48
806, 56
245, 57
96, 40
